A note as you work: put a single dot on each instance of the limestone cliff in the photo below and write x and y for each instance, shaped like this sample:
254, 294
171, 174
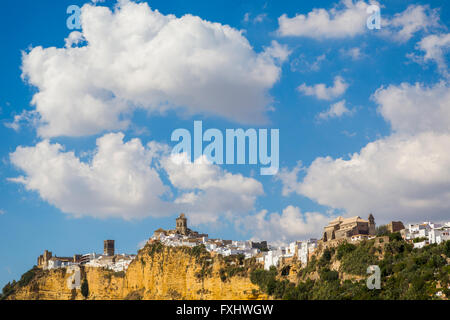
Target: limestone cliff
158, 272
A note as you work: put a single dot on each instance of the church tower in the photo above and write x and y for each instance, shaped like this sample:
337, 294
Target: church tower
182, 224
372, 230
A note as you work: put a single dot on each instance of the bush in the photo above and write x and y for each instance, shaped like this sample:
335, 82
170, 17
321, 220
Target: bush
28, 276
447, 248
329, 275
356, 261
8, 289
326, 257
382, 231
344, 249
396, 236
85, 288
416, 240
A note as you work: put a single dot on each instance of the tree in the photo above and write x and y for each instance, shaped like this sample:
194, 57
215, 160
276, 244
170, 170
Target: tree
85, 288
382, 230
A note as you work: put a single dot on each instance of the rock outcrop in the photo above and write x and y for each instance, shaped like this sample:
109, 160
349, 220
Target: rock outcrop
158, 272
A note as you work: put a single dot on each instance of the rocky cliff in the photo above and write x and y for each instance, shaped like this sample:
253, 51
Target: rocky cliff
158, 272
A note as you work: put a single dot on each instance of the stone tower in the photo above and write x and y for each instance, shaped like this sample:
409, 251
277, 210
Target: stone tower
372, 230
182, 225
108, 247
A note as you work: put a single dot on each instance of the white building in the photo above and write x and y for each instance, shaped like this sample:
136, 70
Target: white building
272, 258
420, 245
439, 235
433, 232
305, 249
53, 264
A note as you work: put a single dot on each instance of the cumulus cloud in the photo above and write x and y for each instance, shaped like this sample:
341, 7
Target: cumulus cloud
436, 47
336, 110
321, 91
123, 179
348, 19
415, 18
118, 182
395, 178
208, 189
415, 108
403, 176
292, 224
136, 57
289, 179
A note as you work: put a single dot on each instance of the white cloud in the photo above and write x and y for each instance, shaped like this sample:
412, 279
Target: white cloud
123, 179
415, 18
321, 91
404, 176
260, 18
246, 17
26, 117
135, 57
336, 110
415, 108
435, 48
283, 228
118, 182
354, 53
209, 190
277, 52
348, 19
2, 212
289, 179
74, 39
395, 178
300, 64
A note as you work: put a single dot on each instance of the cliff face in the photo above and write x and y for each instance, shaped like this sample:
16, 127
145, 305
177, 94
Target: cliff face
158, 272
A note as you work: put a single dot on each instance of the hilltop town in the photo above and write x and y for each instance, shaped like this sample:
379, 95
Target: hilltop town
339, 230
180, 263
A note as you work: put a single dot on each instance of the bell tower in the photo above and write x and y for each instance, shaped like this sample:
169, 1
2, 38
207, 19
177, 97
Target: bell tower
182, 224
371, 225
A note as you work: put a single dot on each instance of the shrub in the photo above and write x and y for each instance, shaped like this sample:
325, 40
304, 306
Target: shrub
328, 275
396, 236
382, 231
28, 276
85, 288
343, 249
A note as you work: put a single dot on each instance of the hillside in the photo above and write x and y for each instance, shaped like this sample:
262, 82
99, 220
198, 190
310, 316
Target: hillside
340, 273
161, 272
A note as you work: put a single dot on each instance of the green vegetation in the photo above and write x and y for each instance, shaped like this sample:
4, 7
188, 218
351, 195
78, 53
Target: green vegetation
382, 231
406, 273
119, 274
26, 278
357, 260
338, 273
85, 288
157, 247
8, 289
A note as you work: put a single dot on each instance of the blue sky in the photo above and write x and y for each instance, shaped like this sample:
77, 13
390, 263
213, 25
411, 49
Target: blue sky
382, 147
